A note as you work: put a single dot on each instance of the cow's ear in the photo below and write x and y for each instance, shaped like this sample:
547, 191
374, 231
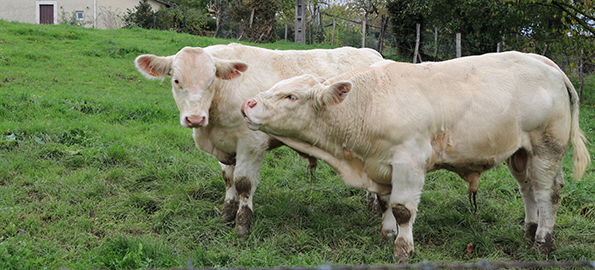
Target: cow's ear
336, 93
152, 66
229, 69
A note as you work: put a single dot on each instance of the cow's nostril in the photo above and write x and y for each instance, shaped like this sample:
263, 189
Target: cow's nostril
251, 103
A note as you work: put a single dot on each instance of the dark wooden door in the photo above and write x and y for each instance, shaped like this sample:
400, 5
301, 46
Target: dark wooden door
46, 14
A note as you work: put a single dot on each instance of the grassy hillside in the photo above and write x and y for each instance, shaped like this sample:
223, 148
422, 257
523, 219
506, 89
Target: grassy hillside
96, 172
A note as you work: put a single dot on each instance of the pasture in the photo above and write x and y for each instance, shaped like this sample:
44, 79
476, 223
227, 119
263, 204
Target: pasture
96, 172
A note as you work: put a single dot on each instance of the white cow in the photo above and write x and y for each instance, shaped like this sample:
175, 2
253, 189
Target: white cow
384, 127
209, 85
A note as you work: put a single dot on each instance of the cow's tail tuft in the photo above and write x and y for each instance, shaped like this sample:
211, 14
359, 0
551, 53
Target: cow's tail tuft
581, 155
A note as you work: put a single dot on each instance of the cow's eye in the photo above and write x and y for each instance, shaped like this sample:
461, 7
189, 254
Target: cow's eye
177, 82
291, 97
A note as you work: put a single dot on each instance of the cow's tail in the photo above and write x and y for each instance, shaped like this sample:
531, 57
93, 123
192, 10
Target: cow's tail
582, 158
581, 155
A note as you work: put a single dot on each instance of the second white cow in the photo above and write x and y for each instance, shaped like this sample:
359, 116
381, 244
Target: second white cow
209, 85
384, 127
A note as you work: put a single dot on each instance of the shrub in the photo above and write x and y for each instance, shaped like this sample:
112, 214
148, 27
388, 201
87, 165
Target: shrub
181, 20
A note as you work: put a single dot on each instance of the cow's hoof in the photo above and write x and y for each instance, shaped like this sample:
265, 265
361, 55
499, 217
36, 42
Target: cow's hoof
230, 209
403, 250
546, 246
244, 220
530, 229
388, 235
243, 231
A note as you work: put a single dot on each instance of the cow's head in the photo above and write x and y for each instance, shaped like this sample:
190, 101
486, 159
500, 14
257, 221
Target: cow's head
293, 105
193, 73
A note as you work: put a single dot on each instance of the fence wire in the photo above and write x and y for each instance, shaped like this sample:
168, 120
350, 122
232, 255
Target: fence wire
483, 264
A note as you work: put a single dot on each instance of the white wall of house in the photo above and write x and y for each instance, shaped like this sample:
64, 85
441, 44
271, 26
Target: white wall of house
101, 14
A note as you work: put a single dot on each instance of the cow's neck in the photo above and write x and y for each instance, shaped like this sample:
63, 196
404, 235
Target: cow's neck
346, 126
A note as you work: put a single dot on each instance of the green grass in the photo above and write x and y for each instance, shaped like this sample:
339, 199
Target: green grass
96, 172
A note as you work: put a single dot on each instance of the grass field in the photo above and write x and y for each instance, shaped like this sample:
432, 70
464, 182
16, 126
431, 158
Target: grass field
96, 172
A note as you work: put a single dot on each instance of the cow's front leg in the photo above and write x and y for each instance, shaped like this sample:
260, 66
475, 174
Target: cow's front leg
249, 159
232, 200
389, 224
407, 181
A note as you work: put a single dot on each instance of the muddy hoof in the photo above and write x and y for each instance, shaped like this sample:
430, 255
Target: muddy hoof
230, 209
403, 250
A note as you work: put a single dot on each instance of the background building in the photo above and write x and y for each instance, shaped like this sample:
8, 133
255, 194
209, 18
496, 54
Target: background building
101, 14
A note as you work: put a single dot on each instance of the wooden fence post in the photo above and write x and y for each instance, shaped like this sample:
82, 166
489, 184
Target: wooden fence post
580, 75
285, 32
458, 45
435, 42
416, 51
364, 31
333, 35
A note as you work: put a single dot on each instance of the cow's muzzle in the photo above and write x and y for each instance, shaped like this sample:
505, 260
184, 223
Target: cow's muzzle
195, 121
249, 103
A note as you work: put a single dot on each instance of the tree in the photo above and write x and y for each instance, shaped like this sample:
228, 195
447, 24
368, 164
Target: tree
404, 16
256, 19
579, 15
141, 16
484, 23
182, 19
218, 8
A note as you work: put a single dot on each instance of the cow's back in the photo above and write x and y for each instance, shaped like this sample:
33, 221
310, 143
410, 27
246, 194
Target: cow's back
266, 67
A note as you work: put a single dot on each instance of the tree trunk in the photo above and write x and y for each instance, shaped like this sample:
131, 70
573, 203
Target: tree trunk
458, 45
320, 27
218, 24
251, 18
382, 31
416, 51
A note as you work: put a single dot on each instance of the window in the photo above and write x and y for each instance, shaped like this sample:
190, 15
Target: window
80, 16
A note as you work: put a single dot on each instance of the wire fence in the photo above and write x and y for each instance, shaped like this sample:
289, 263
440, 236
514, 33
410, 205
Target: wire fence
482, 264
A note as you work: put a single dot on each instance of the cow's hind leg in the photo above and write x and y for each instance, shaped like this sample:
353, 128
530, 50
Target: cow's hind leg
548, 180
232, 200
518, 165
540, 179
373, 201
547, 194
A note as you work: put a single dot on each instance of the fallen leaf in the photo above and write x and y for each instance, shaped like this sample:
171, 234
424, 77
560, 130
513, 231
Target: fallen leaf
470, 250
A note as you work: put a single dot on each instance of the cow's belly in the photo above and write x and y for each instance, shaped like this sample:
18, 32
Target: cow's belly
476, 146
465, 159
